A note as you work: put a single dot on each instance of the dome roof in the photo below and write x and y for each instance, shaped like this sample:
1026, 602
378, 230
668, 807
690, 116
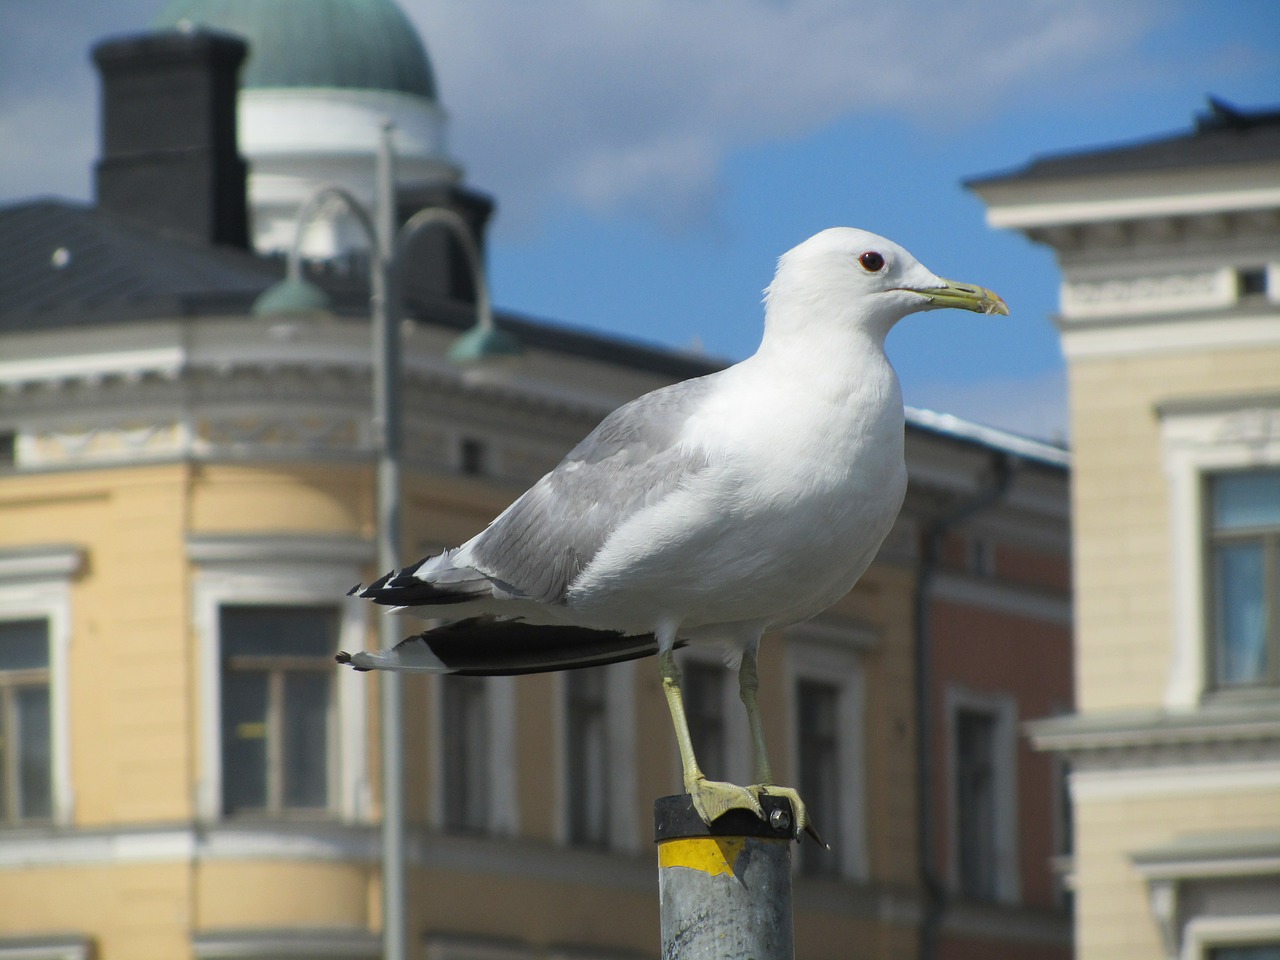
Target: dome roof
357, 44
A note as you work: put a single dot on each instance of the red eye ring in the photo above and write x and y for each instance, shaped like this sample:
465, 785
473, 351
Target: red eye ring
871, 261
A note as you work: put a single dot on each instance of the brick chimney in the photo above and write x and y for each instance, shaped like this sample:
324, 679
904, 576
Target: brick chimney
169, 154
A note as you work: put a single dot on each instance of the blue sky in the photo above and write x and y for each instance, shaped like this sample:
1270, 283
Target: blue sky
651, 159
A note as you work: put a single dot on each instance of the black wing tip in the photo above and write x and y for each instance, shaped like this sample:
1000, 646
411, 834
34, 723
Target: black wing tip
345, 658
403, 589
370, 592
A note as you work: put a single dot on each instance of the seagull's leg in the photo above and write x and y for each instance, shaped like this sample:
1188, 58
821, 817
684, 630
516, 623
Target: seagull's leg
711, 798
748, 685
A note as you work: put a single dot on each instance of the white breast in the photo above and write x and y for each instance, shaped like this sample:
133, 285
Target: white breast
790, 514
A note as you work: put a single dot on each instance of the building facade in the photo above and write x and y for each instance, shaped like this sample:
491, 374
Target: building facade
187, 495
1170, 319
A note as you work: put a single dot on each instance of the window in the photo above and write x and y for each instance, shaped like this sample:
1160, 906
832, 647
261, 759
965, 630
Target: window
982, 557
26, 747
596, 729
466, 738
1064, 841
35, 634
302, 579
703, 687
817, 714
473, 456
587, 748
1244, 572
277, 705
982, 731
1222, 459
827, 711
975, 803
1251, 282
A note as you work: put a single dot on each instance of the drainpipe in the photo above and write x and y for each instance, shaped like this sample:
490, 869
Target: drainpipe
1004, 466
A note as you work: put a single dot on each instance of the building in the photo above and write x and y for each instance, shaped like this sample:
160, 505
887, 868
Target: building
1170, 317
187, 493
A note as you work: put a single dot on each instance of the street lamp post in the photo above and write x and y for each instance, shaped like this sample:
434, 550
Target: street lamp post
483, 341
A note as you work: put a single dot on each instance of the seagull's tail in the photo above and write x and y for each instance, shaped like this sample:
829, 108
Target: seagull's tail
487, 646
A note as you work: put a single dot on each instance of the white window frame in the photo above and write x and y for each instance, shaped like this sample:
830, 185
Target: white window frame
288, 570
620, 715
737, 737
1198, 443
830, 655
504, 798
35, 584
1004, 707
1203, 934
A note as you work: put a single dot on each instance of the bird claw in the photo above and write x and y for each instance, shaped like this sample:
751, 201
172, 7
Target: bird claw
714, 798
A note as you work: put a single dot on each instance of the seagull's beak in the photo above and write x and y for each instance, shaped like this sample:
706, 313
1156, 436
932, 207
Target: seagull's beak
963, 296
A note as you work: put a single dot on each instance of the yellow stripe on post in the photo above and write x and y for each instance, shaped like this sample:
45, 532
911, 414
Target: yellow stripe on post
713, 855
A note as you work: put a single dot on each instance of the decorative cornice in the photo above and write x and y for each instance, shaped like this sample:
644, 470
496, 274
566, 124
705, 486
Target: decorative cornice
1241, 328
1230, 853
1162, 293
1219, 404
1219, 731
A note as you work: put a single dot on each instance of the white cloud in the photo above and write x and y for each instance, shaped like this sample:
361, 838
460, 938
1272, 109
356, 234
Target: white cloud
622, 106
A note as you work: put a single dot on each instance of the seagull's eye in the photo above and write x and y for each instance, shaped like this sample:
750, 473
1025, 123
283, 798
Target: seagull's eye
871, 261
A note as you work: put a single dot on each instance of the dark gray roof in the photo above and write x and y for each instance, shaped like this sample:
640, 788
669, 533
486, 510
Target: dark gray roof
65, 264
1223, 135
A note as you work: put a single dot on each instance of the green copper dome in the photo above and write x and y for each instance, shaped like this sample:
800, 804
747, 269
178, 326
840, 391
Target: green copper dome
357, 44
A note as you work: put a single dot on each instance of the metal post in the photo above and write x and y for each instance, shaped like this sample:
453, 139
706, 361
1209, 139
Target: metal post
386, 418
725, 889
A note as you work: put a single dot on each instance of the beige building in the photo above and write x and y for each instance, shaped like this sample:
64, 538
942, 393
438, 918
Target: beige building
187, 494
1170, 319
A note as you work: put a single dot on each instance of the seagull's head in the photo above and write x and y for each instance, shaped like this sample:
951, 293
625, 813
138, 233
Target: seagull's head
854, 277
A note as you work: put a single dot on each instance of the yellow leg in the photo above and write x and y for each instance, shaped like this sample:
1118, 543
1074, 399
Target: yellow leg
711, 798
748, 685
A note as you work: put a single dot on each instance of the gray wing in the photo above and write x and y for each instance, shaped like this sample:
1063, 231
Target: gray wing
540, 544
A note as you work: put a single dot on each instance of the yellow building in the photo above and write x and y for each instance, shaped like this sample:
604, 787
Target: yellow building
1170, 321
186, 496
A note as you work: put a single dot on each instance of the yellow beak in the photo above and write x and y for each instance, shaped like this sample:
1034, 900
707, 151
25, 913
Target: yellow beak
963, 296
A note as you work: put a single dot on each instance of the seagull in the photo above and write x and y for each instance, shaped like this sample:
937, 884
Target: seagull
708, 511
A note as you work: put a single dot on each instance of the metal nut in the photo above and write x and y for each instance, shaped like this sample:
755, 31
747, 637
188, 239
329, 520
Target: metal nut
779, 820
